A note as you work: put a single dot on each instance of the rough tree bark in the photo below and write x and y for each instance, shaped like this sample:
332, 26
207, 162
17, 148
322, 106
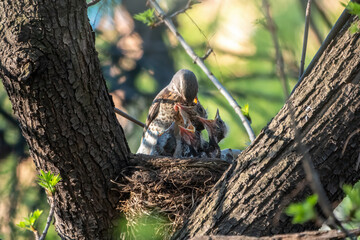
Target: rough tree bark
251, 196
52, 75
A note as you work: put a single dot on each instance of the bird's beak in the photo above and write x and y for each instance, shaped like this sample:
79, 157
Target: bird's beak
217, 114
187, 134
209, 123
196, 100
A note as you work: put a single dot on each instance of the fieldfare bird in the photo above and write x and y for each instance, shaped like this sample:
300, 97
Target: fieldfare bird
182, 89
217, 131
165, 143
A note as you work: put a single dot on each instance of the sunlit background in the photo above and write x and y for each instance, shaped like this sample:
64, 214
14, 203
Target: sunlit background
138, 61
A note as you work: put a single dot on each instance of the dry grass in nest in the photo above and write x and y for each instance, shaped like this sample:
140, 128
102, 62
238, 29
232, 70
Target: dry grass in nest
165, 191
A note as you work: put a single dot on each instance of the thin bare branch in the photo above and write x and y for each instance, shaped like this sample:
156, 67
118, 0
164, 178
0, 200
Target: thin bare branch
36, 234
334, 31
306, 33
279, 58
207, 54
48, 221
169, 23
188, 6
127, 116
348, 139
312, 23
93, 2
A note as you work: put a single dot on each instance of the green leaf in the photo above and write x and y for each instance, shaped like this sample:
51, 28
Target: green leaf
21, 224
147, 17
351, 203
354, 28
37, 213
354, 8
303, 211
245, 112
48, 181
29, 222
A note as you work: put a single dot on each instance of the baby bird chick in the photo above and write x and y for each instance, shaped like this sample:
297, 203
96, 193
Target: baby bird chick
189, 142
191, 114
217, 131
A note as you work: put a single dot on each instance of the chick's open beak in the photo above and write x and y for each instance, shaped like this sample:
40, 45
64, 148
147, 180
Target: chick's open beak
207, 122
187, 134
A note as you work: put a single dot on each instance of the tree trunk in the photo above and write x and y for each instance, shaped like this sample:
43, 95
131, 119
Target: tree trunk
251, 196
51, 73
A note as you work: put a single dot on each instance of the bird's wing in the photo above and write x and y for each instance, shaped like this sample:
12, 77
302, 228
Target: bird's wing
164, 96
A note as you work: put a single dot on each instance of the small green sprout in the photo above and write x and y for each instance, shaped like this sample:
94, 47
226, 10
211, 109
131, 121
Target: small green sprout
303, 211
245, 112
351, 203
354, 9
29, 222
147, 17
48, 181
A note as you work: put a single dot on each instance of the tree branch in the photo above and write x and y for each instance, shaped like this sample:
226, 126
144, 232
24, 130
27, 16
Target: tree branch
306, 33
309, 235
188, 6
279, 58
127, 116
334, 31
48, 221
169, 23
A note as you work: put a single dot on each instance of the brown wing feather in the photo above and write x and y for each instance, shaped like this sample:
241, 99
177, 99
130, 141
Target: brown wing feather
164, 95
154, 108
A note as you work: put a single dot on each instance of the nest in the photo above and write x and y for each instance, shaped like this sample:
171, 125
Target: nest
163, 191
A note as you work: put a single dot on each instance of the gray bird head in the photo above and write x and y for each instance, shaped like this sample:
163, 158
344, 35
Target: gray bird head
185, 84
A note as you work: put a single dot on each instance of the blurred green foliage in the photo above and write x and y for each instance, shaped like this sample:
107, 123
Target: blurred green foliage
351, 203
303, 211
354, 8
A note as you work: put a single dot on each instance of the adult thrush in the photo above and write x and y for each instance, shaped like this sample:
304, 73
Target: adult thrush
182, 89
165, 143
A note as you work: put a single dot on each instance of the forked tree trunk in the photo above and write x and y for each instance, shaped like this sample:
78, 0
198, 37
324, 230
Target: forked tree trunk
50, 70
51, 73
251, 196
